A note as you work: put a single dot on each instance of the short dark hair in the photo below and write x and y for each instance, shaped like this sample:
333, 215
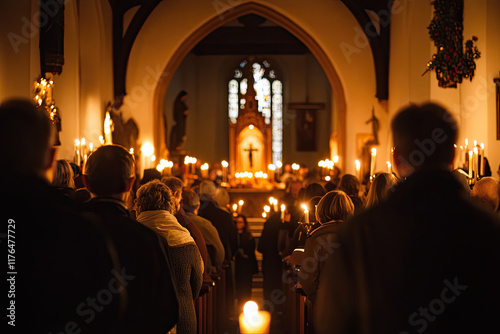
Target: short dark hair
108, 170
349, 184
27, 135
424, 135
174, 183
190, 200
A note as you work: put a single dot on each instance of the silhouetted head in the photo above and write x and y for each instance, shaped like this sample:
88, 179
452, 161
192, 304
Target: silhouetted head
424, 137
334, 206
349, 184
109, 171
27, 136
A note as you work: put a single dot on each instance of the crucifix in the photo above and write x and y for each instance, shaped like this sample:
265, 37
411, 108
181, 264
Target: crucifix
250, 151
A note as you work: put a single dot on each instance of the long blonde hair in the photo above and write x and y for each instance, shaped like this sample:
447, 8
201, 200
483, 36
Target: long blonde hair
380, 188
63, 176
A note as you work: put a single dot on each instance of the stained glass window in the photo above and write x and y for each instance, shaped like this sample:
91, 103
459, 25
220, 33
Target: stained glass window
269, 97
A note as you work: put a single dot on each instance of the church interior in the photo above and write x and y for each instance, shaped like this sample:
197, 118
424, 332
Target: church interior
242, 92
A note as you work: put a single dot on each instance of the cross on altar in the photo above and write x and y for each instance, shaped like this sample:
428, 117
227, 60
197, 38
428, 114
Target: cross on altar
250, 151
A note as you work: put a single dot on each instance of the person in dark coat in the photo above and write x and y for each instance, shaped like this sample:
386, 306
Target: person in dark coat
152, 305
245, 262
333, 210
426, 259
59, 265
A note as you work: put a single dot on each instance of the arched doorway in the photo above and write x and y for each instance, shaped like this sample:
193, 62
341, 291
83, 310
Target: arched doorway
338, 98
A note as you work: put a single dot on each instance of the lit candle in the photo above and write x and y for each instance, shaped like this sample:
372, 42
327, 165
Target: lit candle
475, 162
204, 170
253, 321
77, 151
240, 205
91, 147
470, 164
283, 209
272, 170
279, 164
482, 158
275, 204
235, 207
107, 129
357, 163
389, 167
372, 161
306, 214
224, 170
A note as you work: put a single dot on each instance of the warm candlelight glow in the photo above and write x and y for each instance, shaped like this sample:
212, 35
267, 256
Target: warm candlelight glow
241, 202
271, 167
251, 126
306, 214
147, 149
327, 178
335, 158
283, 209
264, 215
153, 157
91, 147
235, 207
224, 164
267, 208
389, 167
254, 321
470, 164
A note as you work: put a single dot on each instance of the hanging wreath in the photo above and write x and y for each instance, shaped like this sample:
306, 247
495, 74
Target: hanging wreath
451, 62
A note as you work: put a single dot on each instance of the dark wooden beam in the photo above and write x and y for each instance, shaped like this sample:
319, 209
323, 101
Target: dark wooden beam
380, 43
122, 44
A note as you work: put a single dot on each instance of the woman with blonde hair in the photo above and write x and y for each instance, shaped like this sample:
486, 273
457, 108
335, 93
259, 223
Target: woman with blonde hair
331, 212
63, 175
380, 188
155, 206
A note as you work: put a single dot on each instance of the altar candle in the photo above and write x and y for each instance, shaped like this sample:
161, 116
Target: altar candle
279, 164
306, 214
389, 167
275, 205
253, 321
470, 164
272, 170
224, 170
283, 209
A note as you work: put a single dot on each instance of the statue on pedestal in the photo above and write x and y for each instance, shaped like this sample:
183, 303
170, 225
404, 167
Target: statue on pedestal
178, 132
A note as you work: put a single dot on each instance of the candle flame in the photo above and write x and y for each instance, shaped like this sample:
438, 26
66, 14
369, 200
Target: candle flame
267, 208
283, 207
241, 202
224, 163
250, 308
235, 207
358, 164
304, 206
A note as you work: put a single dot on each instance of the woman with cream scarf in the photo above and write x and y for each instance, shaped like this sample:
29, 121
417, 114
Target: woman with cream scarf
154, 206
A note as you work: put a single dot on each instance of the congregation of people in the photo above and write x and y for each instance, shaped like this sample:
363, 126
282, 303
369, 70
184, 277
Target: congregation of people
99, 251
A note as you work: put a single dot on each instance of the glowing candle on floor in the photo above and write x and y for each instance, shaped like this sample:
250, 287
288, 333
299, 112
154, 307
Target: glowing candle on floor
283, 209
253, 321
306, 214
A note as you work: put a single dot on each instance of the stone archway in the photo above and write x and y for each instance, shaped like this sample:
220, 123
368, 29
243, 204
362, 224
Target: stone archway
338, 97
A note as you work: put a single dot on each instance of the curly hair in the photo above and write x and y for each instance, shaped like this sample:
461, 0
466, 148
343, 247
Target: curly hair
154, 195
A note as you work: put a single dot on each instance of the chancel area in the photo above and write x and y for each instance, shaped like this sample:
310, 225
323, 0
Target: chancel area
271, 166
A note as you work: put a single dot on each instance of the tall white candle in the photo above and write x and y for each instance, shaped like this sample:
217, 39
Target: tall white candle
372, 161
470, 164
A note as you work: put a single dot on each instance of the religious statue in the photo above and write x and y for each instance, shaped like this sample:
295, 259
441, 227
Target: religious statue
375, 128
250, 151
122, 133
178, 132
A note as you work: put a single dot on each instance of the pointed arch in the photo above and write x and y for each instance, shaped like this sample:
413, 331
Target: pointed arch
338, 97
